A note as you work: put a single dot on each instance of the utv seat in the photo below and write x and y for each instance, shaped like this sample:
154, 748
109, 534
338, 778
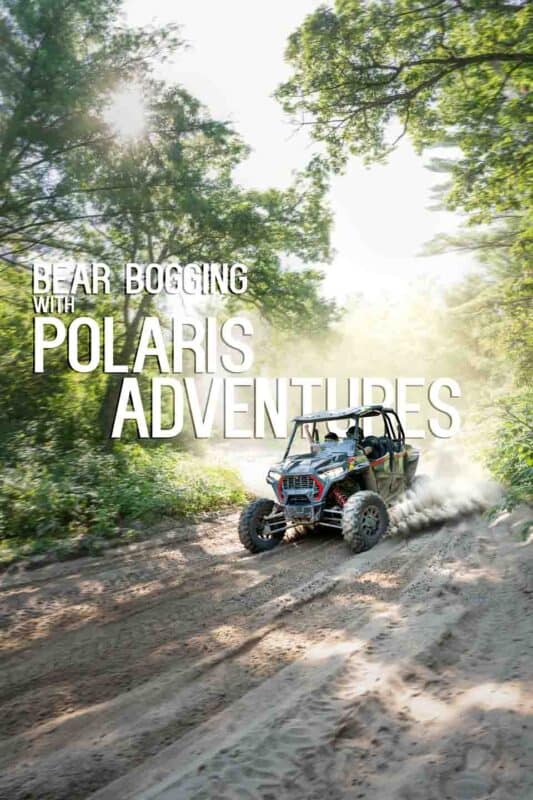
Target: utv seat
377, 446
381, 446
387, 447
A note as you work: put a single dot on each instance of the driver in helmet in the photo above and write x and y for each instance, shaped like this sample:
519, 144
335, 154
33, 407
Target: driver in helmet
329, 439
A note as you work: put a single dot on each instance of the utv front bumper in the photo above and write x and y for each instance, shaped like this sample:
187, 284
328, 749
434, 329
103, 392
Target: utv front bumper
302, 514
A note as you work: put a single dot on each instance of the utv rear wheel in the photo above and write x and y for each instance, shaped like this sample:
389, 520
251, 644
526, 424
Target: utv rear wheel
257, 530
364, 520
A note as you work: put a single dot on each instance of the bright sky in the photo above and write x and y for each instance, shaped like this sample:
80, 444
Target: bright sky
233, 64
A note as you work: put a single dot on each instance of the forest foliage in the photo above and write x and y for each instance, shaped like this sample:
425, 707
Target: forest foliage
456, 77
450, 73
70, 188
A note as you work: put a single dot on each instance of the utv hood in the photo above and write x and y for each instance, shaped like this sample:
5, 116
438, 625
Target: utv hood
302, 465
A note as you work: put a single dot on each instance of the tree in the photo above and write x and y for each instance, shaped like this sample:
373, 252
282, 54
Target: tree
171, 195
450, 71
58, 62
455, 73
70, 186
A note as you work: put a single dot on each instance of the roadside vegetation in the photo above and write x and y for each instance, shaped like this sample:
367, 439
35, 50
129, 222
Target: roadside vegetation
82, 501
72, 187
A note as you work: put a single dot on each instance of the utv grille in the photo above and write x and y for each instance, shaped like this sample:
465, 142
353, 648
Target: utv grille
291, 482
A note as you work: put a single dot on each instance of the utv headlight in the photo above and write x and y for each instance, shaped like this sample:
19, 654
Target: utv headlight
274, 475
334, 472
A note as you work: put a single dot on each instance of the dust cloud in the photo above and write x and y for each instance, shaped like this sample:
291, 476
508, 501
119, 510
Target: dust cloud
434, 501
388, 337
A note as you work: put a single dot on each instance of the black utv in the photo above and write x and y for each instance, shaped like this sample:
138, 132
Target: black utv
334, 476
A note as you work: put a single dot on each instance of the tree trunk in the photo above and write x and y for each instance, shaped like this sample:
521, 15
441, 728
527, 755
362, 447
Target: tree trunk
109, 402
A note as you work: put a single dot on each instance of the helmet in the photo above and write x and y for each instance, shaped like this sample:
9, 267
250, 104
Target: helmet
350, 433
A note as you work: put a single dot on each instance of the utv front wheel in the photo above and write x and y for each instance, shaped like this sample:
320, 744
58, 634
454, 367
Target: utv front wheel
364, 520
260, 528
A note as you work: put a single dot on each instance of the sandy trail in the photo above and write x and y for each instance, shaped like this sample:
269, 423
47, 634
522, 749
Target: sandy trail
188, 669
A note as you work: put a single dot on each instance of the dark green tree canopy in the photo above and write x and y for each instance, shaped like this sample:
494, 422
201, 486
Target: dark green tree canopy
451, 71
58, 61
456, 73
69, 185
72, 188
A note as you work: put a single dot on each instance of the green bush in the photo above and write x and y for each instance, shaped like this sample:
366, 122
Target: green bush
160, 482
511, 459
85, 494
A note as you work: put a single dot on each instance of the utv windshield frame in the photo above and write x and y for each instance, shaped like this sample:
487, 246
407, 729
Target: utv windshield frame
353, 414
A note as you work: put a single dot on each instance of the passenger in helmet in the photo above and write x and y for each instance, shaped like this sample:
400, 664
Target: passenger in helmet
350, 434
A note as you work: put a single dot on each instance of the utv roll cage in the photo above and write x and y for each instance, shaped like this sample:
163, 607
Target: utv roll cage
354, 413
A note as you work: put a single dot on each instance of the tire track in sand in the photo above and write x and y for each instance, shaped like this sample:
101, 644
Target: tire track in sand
88, 749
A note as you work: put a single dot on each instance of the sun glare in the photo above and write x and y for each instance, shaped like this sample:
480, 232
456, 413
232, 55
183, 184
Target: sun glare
126, 113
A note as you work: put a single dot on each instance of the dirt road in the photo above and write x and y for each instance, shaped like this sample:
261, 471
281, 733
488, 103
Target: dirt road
190, 669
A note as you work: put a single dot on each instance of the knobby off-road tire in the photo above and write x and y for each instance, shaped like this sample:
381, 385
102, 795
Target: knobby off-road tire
253, 530
364, 520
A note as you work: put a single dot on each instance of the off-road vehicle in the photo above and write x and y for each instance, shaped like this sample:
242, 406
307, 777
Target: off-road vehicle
336, 480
